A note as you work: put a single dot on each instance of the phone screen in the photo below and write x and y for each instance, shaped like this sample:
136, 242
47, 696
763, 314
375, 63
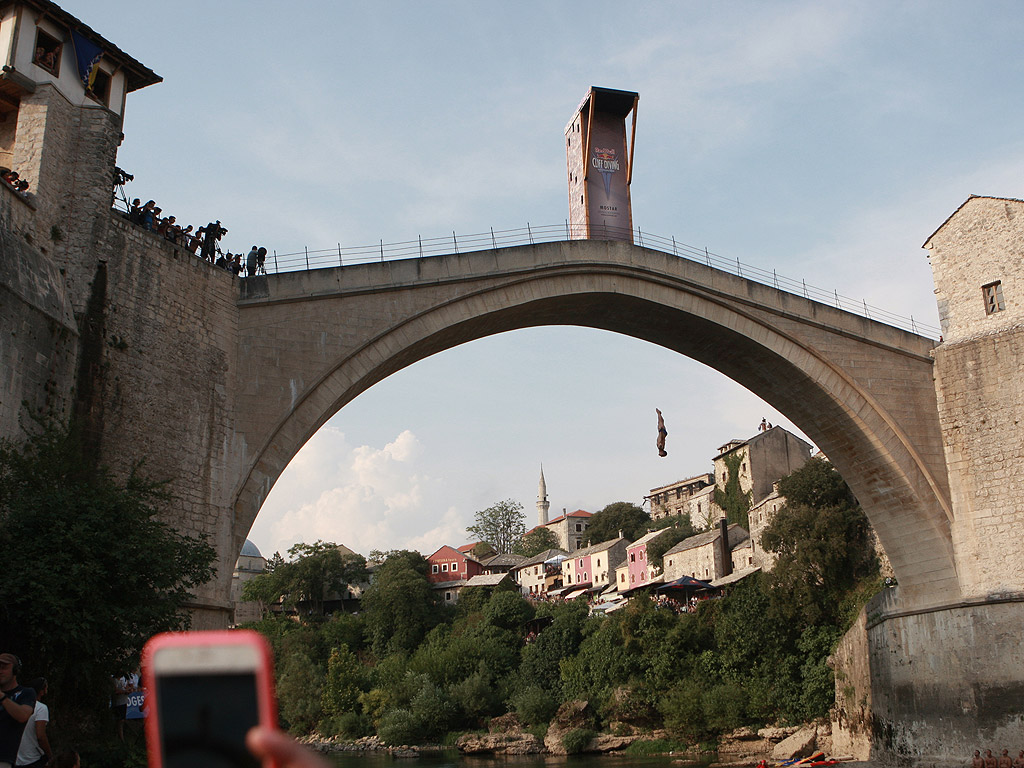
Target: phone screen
204, 720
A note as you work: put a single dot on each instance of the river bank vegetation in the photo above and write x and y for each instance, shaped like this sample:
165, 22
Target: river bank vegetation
414, 671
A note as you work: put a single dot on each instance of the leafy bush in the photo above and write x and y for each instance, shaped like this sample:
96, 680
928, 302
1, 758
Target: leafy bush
508, 610
683, 711
298, 692
577, 740
476, 696
350, 725
725, 707
534, 705
432, 710
345, 681
399, 726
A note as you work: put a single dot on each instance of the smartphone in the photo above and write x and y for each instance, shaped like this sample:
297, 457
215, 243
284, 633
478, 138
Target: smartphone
204, 691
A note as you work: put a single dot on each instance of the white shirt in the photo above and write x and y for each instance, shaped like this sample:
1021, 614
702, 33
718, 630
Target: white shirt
30, 751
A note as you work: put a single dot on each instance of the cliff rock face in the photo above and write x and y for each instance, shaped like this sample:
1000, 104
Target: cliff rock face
508, 743
505, 737
572, 715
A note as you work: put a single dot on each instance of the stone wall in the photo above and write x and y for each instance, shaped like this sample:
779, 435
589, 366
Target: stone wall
169, 383
930, 686
38, 333
979, 382
164, 369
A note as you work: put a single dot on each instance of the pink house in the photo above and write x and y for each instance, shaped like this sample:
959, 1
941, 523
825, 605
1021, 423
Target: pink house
641, 572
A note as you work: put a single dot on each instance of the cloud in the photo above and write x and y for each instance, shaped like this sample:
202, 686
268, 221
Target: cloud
375, 498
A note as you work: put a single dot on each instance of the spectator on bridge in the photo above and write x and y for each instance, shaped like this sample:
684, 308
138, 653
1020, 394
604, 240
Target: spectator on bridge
261, 261
148, 215
214, 232
135, 212
235, 267
168, 228
250, 262
189, 240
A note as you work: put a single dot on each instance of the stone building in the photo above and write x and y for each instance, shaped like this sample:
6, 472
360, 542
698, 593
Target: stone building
704, 557
62, 138
977, 259
759, 516
249, 565
541, 573
570, 529
692, 497
761, 461
502, 563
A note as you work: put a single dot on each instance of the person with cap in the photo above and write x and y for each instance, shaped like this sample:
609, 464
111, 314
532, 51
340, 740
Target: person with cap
16, 708
35, 749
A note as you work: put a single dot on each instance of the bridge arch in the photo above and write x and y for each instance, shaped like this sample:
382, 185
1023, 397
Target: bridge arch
860, 391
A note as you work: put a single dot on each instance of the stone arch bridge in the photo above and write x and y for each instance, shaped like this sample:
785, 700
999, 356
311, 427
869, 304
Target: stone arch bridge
310, 342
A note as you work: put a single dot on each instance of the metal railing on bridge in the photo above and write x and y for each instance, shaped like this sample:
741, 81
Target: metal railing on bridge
340, 256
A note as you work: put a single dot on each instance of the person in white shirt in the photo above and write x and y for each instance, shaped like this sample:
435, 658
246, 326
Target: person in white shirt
35, 751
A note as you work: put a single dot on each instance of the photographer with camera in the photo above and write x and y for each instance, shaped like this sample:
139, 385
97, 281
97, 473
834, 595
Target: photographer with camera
214, 232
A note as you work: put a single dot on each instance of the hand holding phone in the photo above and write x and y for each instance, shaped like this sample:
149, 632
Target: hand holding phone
206, 691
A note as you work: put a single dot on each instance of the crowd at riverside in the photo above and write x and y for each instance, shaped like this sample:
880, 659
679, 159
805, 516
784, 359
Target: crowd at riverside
991, 761
203, 242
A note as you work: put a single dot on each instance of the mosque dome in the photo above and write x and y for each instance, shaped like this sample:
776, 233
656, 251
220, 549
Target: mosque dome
250, 550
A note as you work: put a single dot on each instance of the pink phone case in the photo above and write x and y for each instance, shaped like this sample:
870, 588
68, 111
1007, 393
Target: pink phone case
266, 703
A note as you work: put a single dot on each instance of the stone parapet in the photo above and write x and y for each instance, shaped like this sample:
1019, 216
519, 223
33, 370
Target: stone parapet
930, 686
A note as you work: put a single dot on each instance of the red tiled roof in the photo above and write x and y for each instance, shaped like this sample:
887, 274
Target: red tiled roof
577, 513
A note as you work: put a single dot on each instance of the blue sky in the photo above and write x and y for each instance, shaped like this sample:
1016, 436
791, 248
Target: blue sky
823, 140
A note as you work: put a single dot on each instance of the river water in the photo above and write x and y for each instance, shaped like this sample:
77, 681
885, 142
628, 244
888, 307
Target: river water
452, 759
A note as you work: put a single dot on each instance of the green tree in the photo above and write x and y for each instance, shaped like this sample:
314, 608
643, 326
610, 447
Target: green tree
540, 539
98, 573
822, 540
618, 518
400, 607
275, 560
345, 683
264, 590
315, 572
500, 525
730, 496
299, 691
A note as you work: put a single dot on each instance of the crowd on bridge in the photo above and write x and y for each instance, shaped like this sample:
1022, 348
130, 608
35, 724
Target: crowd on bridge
14, 181
203, 243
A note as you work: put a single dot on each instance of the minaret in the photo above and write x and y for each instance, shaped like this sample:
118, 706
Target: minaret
542, 499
